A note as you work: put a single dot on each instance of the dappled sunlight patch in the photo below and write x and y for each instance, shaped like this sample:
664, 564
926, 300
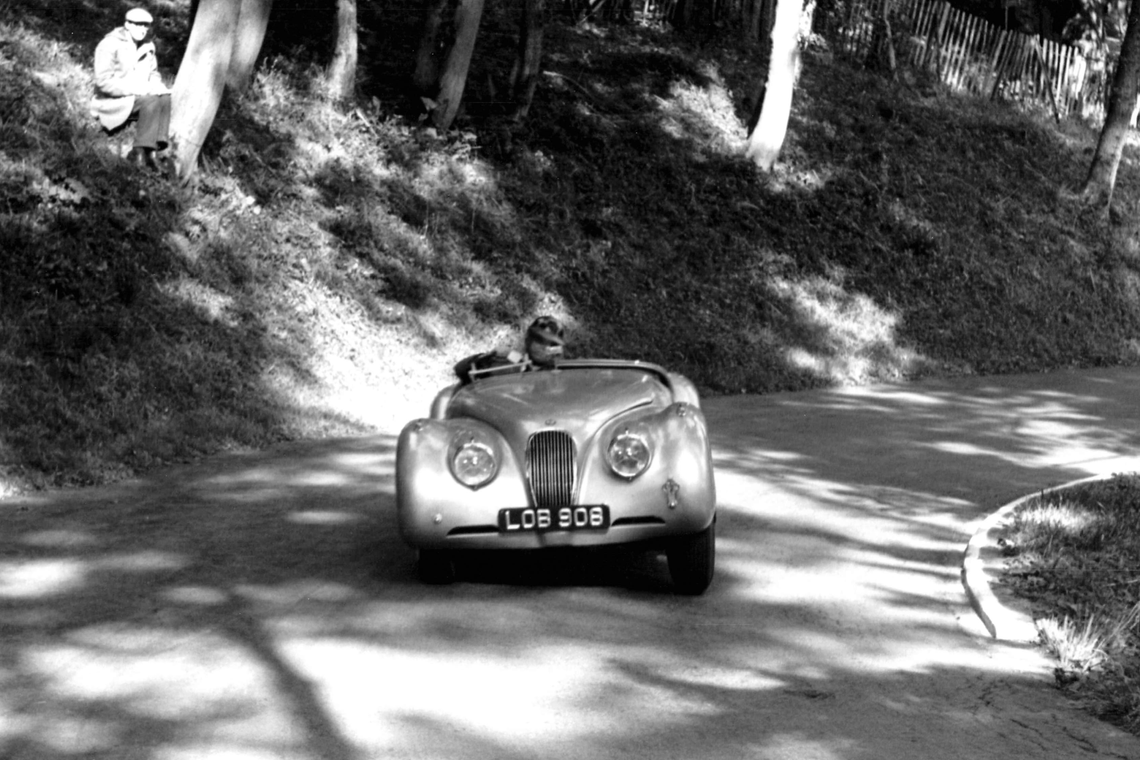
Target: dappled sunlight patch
210, 303
712, 675
352, 370
462, 172
147, 561
788, 177
325, 517
32, 578
540, 695
906, 397
1046, 445
203, 685
847, 337
255, 482
798, 745
703, 113
62, 538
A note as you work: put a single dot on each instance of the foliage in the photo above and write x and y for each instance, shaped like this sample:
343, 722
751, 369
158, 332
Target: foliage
338, 259
1075, 554
1095, 22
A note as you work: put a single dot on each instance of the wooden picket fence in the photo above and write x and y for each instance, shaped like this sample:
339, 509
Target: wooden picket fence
970, 54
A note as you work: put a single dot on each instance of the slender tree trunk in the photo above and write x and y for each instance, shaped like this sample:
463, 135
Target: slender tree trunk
754, 19
1101, 179
201, 80
342, 69
454, 77
529, 63
248, 37
768, 135
881, 55
425, 78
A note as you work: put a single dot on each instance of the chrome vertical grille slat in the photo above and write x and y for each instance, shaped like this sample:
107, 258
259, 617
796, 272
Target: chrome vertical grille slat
550, 467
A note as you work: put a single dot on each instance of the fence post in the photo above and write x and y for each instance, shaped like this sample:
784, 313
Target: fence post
998, 59
938, 40
1048, 78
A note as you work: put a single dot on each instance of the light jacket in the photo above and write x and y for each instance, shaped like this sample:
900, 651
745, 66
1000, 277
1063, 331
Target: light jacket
122, 71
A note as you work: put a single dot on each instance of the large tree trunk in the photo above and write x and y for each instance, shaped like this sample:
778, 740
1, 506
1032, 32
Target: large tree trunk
767, 136
425, 78
342, 70
1102, 174
248, 36
201, 80
529, 63
454, 78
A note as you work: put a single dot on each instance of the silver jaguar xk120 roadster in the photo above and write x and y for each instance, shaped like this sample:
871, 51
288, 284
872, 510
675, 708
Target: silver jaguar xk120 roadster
590, 453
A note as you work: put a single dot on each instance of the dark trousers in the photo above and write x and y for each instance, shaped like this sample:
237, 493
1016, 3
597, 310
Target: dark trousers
153, 128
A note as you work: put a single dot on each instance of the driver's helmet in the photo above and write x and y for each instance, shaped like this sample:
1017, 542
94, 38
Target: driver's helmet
544, 340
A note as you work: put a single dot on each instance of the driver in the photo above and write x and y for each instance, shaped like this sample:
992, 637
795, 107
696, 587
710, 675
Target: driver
542, 349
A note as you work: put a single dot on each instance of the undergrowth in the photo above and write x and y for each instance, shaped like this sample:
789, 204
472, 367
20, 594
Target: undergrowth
334, 260
1075, 555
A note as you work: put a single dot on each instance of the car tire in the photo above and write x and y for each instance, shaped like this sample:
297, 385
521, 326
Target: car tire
435, 567
692, 560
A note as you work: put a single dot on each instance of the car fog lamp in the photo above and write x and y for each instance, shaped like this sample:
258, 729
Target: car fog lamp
473, 464
628, 454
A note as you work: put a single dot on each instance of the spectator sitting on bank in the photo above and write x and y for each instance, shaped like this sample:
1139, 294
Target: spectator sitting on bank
542, 348
127, 83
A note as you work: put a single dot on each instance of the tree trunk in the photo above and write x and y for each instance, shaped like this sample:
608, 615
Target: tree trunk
767, 137
342, 70
881, 54
425, 78
529, 62
754, 19
454, 78
1101, 180
248, 36
201, 80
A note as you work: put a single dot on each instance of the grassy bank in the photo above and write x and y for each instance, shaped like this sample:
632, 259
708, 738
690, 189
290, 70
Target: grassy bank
334, 261
1075, 555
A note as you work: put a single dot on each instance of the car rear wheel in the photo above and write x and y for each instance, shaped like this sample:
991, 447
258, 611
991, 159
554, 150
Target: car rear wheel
692, 560
435, 567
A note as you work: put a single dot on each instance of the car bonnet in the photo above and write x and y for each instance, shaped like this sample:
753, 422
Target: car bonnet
578, 401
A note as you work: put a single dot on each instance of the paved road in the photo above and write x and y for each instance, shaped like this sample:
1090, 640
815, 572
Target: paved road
259, 606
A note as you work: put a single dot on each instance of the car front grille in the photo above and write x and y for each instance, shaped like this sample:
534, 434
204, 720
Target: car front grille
550, 466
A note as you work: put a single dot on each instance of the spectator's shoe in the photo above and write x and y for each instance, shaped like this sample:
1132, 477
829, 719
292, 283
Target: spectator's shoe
143, 158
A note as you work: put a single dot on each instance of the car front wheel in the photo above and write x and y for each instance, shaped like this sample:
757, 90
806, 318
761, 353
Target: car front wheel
435, 567
692, 560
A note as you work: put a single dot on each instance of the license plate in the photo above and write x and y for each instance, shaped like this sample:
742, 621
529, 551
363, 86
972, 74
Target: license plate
542, 519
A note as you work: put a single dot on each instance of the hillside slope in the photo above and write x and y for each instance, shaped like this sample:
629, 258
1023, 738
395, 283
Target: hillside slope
333, 263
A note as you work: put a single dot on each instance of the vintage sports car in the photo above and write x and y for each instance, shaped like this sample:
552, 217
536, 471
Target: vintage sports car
591, 453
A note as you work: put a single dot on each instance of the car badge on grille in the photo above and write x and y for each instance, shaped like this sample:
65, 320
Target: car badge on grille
550, 423
672, 491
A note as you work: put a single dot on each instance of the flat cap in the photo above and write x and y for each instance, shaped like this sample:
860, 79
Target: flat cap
139, 16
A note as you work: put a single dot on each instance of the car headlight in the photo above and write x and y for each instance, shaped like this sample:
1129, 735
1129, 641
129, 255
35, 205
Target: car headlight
629, 454
473, 463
